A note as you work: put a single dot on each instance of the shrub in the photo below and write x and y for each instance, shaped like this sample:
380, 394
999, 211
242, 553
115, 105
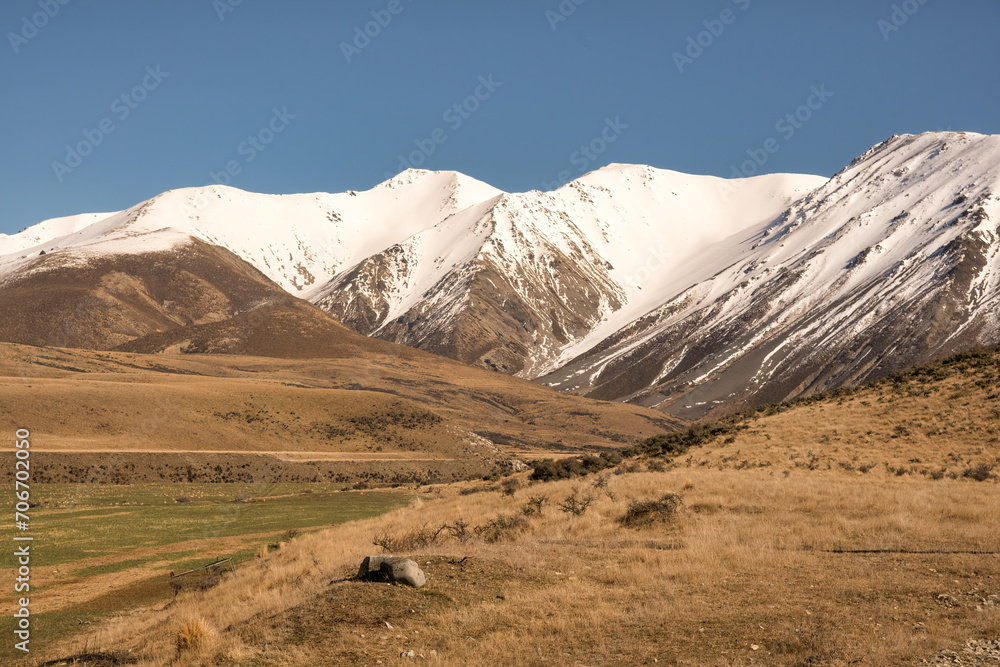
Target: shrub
548, 470
502, 528
534, 506
627, 468
980, 472
601, 484
576, 504
657, 465
646, 512
459, 530
510, 485
412, 539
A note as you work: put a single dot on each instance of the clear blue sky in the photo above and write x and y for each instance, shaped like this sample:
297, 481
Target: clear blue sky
223, 73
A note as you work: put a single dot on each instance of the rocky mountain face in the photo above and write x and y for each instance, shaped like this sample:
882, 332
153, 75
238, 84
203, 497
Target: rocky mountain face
691, 294
893, 262
514, 281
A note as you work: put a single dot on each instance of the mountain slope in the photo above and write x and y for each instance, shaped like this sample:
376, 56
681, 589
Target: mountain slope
510, 284
298, 241
691, 294
437, 260
894, 262
372, 400
102, 300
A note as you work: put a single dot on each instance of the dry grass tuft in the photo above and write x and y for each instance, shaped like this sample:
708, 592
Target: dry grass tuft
194, 635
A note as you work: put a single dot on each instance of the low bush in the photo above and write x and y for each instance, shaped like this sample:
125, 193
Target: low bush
647, 512
414, 538
980, 472
534, 506
574, 466
576, 504
503, 528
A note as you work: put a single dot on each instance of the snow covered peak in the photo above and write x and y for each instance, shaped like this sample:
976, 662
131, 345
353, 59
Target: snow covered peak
629, 281
893, 261
465, 190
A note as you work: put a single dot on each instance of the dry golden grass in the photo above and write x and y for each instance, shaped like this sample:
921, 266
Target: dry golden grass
85, 400
938, 423
778, 557
194, 636
754, 559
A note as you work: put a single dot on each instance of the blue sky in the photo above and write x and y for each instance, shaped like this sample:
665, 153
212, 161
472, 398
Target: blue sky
110, 102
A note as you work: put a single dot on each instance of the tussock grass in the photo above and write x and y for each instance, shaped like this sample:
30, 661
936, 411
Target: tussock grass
749, 562
194, 635
800, 542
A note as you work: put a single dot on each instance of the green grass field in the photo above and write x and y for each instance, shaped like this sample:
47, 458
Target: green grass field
99, 550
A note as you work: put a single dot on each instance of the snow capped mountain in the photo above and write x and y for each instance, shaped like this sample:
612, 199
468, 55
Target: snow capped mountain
689, 293
299, 241
894, 261
513, 282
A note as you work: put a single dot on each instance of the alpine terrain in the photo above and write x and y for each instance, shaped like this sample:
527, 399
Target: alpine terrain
690, 294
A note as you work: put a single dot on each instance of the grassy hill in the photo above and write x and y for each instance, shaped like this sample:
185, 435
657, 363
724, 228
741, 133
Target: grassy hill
119, 417
852, 528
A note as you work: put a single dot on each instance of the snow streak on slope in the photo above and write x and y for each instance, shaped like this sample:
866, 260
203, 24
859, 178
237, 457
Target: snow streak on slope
894, 261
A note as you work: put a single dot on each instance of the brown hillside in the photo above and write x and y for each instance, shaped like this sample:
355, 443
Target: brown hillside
363, 405
105, 301
290, 329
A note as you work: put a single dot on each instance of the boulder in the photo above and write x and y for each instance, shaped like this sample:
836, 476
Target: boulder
393, 569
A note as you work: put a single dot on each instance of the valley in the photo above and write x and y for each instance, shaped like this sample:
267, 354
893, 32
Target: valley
854, 527
646, 417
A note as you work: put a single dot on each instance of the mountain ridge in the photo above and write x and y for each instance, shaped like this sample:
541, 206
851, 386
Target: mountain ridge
632, 283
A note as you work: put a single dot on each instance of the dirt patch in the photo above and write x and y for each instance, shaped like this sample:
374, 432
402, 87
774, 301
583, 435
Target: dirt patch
141, 592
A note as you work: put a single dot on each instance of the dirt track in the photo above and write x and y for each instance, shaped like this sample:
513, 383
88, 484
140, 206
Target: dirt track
282, 455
